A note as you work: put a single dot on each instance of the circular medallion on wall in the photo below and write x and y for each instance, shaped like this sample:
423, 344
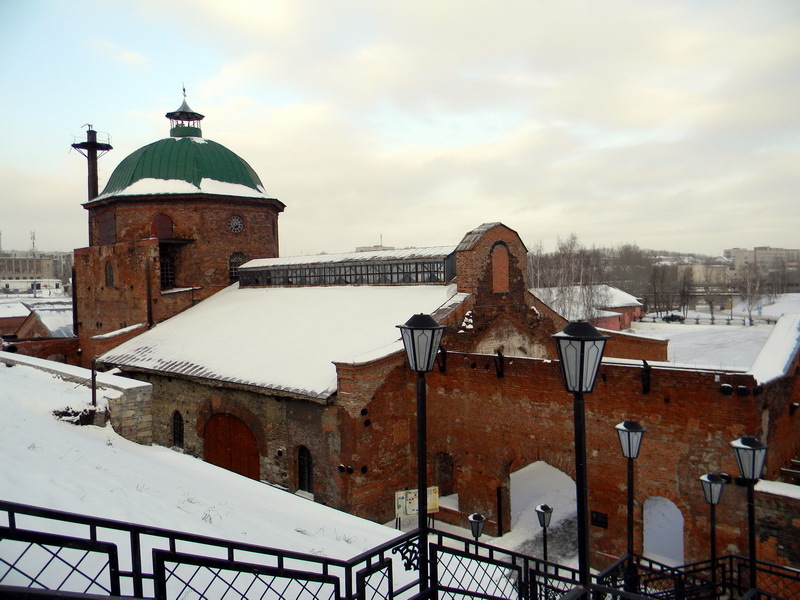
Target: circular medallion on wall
236, 224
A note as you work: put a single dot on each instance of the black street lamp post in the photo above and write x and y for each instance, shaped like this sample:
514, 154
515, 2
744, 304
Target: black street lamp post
421, 338
630, 439
580, 350
712, 490
750, 454
544, 512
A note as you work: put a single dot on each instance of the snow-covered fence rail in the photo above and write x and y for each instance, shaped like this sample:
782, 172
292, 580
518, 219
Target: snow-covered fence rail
70, 553
42, 549
82, 556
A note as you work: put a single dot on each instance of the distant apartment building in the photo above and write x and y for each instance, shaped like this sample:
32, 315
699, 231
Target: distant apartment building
30, 265
766, 257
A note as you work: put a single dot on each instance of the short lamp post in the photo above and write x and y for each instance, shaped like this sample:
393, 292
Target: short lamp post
476, 523
630, 438
544, 512
750, 454
580, 350
712, 490
421, 338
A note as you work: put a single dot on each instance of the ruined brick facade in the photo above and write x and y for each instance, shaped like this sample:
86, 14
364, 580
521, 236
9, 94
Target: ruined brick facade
497, 403
118, 285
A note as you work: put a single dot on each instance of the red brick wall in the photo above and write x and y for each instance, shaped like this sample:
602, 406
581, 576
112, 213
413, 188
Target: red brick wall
778, 529
622, 345
492, 426
9, 325
201, 218
56, 349
201, 264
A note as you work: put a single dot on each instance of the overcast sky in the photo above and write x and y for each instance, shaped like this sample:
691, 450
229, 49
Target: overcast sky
673, 125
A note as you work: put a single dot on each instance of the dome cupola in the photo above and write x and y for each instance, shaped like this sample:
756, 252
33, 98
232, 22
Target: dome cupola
182, 164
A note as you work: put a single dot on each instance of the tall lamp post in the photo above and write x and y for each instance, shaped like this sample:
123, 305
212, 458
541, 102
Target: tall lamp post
544, 512
712, 490
750, 454
421, 338
630, 438
580, 350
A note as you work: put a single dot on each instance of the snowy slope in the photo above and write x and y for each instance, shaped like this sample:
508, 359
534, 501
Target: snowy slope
92, 470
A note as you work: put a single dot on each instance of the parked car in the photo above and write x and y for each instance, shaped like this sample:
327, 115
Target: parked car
672, 318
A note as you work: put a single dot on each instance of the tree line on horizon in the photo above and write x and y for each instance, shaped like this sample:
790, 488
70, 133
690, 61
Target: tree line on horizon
664, 281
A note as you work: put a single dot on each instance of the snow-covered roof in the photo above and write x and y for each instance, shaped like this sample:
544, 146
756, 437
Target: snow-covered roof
571, 302
472, 237
435, 252
56, 316
11, 310
151, 186
616, 298
283, 339
780, 348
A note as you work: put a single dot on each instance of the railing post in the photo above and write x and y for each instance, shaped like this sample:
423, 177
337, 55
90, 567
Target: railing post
136, 560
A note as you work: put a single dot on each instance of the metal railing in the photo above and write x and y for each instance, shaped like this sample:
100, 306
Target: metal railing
53, 554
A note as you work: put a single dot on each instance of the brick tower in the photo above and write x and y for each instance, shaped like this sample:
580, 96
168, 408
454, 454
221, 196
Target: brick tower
174, 222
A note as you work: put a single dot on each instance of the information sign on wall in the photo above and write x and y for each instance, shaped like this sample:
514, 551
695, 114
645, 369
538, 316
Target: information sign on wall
405, 502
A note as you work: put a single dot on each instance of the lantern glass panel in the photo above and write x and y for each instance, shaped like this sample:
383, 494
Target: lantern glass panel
750, 454
630, 438
476, 523
712, 487
544, 512
421, 338
580, 350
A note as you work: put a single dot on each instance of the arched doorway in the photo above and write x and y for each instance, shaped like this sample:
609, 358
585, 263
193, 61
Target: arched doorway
230, 444
663, 531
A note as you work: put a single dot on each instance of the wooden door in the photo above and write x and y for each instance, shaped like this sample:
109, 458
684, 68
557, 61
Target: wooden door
230, 444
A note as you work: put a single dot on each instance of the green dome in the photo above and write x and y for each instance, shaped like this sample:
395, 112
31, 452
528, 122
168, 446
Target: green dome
183, 165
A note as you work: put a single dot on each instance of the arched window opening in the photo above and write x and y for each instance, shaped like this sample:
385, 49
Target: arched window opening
177, 429
443, 473
163, 227
107, 227
109, 274
304, 470
236, 260
500, 269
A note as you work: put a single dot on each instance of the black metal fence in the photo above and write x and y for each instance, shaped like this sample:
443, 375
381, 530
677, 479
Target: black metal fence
52, 554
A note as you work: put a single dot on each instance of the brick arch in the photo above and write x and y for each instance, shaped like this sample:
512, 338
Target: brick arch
162, 227
220, 405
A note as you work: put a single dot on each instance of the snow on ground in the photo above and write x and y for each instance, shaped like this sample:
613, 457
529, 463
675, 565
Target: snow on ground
711, 346
92, 470
724, 346
783, 304
535, 484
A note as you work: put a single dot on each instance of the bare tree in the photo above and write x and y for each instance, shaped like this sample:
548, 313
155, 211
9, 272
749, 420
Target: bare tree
568, 278
685, 285
751, 284
663, 283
